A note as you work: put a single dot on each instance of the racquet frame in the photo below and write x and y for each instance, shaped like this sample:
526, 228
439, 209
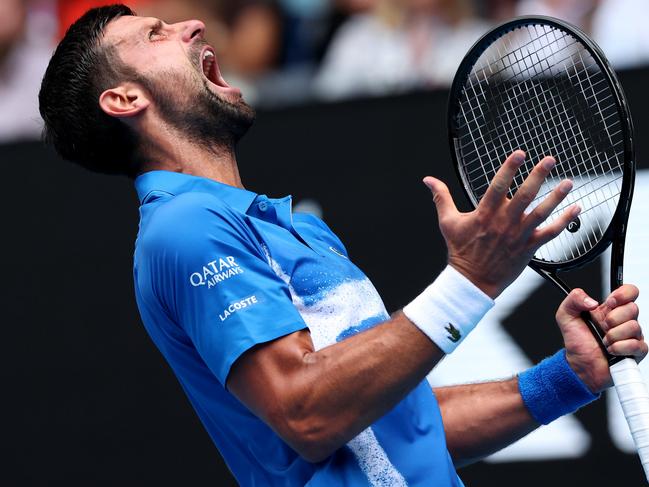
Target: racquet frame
615, 233
629, 384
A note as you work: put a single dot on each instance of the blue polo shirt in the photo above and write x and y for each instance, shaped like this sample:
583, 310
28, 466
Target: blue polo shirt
220, 269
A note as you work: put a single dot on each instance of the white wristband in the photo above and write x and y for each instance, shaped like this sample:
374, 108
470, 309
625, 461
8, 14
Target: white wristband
448, 309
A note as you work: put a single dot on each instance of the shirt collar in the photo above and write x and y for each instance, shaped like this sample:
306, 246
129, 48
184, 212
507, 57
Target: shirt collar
176, 183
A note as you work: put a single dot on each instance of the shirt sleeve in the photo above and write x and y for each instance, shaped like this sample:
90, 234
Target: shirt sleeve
221, 289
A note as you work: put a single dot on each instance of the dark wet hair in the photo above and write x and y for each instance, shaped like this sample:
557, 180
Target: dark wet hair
82, 67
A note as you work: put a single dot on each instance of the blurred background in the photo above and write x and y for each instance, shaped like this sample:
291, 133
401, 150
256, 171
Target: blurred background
286, 52
351, 97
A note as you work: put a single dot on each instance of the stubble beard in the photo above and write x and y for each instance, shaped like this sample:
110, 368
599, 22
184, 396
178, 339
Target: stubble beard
186, 102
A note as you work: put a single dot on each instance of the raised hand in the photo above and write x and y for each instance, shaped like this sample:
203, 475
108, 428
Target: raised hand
492, 244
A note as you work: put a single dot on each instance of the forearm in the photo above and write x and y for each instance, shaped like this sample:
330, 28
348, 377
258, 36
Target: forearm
319, 400
342, 389
480, 419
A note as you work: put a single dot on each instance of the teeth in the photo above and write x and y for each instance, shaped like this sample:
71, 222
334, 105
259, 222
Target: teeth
208, 60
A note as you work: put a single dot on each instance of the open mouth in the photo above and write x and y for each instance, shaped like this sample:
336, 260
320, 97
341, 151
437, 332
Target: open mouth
211, 68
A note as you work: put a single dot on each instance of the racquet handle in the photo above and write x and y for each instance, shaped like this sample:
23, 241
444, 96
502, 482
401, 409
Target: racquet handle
634, 398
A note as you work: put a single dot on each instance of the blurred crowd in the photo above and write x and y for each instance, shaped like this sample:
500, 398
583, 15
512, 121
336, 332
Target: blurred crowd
282, 52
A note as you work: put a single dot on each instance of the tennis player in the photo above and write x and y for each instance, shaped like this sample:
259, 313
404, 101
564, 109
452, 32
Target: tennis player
281, 343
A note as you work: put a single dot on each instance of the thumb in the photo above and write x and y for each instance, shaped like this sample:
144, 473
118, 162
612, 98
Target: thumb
441, 197
575, 303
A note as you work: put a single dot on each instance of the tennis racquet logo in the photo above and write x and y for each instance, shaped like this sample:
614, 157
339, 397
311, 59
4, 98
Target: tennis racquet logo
574, 225
453, 333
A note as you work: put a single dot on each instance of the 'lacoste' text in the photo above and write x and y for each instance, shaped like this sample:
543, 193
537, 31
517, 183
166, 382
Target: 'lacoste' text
238, 305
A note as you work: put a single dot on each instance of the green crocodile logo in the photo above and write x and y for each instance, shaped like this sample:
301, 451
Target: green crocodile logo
453, 333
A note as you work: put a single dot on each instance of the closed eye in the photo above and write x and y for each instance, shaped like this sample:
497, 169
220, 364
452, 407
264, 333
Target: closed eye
155, 30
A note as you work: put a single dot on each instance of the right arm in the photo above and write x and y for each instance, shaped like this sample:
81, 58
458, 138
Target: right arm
319, 400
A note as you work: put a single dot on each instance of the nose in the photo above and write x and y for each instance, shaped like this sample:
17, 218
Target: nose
191, 29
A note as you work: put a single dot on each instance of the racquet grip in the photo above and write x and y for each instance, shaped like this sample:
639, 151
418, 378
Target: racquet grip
634, 398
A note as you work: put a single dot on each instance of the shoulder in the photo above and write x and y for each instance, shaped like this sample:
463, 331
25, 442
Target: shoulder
189, 222
192, 204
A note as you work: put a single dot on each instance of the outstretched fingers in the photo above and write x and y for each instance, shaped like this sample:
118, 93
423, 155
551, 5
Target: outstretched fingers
527, 191
543, 235
442, 198
539, 214
497, 190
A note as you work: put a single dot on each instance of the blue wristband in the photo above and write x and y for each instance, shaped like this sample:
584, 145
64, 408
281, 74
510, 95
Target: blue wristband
552, 389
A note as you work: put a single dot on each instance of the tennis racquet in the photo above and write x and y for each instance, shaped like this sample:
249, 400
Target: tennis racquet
541, 85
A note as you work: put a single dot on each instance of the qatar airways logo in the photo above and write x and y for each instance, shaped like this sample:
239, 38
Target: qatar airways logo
215, 271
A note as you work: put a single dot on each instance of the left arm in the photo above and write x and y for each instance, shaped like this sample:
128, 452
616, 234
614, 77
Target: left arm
480, 419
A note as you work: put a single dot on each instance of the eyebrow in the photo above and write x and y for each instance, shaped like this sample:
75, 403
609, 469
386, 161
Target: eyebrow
156, 26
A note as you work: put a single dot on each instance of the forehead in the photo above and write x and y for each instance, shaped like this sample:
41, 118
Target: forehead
128, 29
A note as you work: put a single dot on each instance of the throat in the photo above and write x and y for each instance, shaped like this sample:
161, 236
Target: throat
211, 161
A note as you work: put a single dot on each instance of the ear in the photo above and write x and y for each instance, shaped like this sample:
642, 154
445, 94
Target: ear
126, 100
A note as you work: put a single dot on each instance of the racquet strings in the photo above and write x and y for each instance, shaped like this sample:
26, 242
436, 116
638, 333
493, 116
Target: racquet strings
537, 88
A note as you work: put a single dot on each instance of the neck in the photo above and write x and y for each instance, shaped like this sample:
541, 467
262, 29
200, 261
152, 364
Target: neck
171, 152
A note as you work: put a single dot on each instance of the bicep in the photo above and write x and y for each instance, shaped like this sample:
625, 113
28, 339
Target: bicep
266, 376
